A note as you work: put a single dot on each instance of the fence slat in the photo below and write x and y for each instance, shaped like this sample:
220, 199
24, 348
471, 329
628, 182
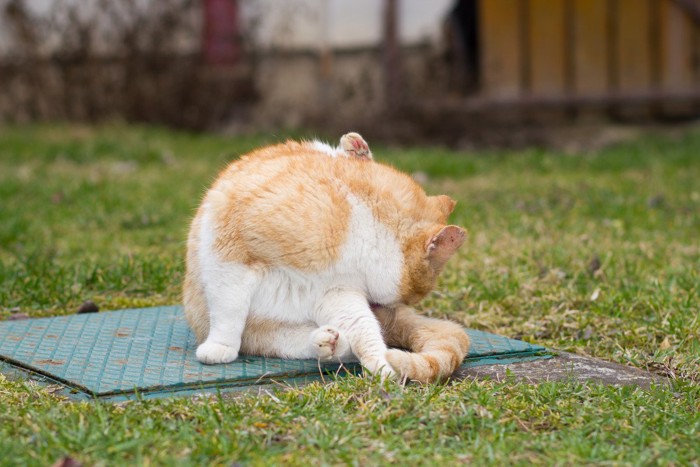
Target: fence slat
547, 47
633, 45
501, 48
676, 35
676, 74
591, 44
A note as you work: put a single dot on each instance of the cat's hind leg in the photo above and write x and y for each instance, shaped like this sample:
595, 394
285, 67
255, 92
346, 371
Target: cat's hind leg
228, 289
436, 347
347, 310
281, 339
330, 344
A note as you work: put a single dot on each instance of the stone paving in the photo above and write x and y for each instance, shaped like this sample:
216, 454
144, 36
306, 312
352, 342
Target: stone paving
566, 366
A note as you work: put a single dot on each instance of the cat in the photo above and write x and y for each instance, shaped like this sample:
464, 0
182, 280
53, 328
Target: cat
303, 250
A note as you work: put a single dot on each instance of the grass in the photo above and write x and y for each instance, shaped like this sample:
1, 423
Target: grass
595, 253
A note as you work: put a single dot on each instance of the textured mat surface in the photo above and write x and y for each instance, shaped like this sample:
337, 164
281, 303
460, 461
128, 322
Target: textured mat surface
150, 351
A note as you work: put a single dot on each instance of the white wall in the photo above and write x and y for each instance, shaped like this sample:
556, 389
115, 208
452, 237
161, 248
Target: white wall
314, 24
290, 24
92, 12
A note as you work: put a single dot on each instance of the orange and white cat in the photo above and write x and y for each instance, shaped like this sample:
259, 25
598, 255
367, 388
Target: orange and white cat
303, 250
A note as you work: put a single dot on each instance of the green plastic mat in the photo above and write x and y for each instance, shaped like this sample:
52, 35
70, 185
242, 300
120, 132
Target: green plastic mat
149, 352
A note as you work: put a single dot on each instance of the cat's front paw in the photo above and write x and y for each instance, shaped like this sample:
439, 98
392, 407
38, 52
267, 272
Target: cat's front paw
355, 145
211, 353
328, 343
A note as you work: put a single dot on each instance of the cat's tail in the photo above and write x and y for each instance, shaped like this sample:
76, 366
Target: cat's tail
437, 347
431, 365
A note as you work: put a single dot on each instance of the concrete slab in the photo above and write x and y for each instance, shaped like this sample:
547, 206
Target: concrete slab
566, 366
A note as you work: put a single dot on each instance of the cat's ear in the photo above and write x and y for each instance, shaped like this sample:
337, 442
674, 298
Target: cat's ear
443, 245
443, 204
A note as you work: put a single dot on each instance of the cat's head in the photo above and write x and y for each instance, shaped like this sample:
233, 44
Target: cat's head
427, 250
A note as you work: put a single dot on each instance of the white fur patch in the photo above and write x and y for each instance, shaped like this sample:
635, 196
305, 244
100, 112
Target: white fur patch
286, 294
228, 288
373, 253
328, 149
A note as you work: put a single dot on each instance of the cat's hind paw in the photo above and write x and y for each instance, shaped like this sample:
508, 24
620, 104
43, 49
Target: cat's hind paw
355, 145
381, 367
328, 343
211, 353
419, 367
401, 361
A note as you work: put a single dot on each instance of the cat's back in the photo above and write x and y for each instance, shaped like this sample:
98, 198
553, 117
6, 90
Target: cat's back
284, 167
284, 204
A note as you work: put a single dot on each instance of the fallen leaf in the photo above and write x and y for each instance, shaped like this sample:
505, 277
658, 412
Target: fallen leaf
18, 317
665, 344
88, 306
594, 264
67, 461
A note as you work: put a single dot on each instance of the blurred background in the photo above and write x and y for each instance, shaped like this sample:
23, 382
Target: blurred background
567, 130
447, 70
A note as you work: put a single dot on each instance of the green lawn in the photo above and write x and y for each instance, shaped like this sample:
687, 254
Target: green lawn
592, 253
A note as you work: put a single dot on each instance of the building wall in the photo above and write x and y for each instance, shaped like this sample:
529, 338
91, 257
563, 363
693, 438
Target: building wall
321, 60
58, 23
337, 24
308, 60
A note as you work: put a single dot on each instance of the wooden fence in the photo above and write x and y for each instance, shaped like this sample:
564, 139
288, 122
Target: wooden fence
590, 52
